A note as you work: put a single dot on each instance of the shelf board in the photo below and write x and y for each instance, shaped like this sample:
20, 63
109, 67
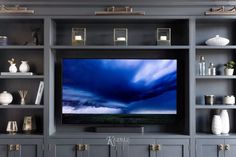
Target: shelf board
73, 135
216, 77
23, 136
218, 106
210, 135
117, 47
21, 76
215, 47
21, 47
18, 106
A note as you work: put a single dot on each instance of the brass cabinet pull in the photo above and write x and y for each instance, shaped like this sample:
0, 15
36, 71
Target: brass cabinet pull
221, 147
17, 147
79, 147
158, 147
85, 147
10, 147
152, 147
227, 147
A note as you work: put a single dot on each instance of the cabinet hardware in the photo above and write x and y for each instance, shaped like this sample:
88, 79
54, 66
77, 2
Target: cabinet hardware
85, 147
17, 147
158, 147
11, 147
152, 147
79, 147
221, 147
227, 147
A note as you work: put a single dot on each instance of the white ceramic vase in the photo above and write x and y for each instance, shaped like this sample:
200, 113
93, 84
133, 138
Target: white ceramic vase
5, 98
13, 68
225, 121
216, 126
24, 67
229, 72
217, 41
229, 100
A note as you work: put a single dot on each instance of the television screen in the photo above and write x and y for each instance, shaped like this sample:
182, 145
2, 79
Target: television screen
119, 86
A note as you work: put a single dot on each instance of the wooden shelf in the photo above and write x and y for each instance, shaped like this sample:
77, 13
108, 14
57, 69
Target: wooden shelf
218, 106
215, 47
118, 47
18, 106
21, 47
216, 77
21, 76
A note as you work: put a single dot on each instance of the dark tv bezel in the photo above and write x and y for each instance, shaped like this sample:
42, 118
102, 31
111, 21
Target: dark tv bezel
117, 119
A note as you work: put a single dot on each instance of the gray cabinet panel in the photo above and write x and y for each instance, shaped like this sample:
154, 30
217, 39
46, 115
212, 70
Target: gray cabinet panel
209, 148
170, 147
4, 151
29, 150
98, 148
139, 148
231, 150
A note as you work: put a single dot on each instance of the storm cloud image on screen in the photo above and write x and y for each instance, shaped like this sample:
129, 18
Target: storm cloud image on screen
119, 86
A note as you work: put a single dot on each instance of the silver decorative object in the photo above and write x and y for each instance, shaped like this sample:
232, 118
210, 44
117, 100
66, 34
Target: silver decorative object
12, 127
120, 36
209, 99
29, 124
163, 36
78, 36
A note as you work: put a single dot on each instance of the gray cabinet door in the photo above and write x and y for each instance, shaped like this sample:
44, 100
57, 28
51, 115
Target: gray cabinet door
25, 148
29, 150
4, 151
173, 147
209, 148
64, 148
138, 148
230, 147
98, 148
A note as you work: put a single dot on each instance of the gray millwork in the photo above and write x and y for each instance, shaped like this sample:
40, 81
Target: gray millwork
190, 137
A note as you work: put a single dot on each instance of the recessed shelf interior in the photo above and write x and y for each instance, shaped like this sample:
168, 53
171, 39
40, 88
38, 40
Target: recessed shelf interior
35, 62
217, 57
19, 31
204, 120
16, 115
209, 28
100, 32
13, 85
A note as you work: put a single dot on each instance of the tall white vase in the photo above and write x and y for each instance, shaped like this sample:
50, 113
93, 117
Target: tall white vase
216, 126
225, 121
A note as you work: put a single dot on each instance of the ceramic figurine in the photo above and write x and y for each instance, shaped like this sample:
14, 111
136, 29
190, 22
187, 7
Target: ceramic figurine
24, 67
12, 68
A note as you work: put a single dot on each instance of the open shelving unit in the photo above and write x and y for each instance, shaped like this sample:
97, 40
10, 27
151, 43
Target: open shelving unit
19, 31
219, 85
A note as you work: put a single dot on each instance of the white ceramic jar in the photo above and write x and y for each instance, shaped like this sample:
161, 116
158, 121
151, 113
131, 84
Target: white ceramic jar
216, 126
229, 100
224, 116
5, 98
13, 68
217, 41
24, 67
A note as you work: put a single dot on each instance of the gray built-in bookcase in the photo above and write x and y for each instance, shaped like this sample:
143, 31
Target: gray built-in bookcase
190, 136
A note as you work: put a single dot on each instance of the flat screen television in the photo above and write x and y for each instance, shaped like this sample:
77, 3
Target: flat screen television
118, 91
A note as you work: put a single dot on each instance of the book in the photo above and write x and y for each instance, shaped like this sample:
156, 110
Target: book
16, 74
39, 93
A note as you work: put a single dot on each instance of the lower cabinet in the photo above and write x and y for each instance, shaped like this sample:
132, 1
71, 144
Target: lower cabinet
119, 147
215, 147
21, 148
